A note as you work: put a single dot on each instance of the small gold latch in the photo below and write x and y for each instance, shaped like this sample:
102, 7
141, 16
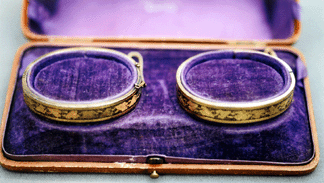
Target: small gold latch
154, 175
155, 160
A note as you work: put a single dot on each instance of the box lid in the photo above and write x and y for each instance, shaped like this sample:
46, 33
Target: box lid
272, 22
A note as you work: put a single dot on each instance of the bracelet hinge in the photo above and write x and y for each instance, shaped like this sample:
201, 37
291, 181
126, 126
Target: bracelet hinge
140, 66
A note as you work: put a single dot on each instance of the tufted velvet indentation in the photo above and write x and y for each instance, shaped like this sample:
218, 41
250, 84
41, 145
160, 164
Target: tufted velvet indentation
80, 79
234, 80
158, 125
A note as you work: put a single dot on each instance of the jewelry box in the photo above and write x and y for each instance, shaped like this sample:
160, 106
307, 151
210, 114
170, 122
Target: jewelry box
158, 136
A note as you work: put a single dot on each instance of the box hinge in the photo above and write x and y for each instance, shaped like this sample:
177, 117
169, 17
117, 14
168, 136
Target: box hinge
248, 43
70, 40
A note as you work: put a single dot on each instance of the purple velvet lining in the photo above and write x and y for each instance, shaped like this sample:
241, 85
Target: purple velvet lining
83, 76
159, 126
235, 77
217, 19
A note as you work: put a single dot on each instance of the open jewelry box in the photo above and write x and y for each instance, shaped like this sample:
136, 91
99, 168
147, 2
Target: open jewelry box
158, 135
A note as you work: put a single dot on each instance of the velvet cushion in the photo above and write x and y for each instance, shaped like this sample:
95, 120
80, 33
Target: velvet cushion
159, 126
235, 77
217, 19
83, 76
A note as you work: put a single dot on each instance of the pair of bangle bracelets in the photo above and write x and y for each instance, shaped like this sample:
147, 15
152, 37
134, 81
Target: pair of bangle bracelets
233, 112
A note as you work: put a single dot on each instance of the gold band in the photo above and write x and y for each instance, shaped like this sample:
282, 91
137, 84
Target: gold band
80, 112
235, 113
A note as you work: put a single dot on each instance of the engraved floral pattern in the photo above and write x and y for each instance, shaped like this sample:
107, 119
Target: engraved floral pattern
233, 115
72, 115
82, 114
55, 112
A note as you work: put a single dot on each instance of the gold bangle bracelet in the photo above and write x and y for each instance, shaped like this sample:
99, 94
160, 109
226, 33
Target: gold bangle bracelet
84, 111
235, 112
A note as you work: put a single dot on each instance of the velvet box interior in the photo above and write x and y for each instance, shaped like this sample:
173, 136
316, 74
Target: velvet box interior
158, 125
207, 19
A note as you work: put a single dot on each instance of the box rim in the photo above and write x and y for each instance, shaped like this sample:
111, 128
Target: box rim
163, 168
